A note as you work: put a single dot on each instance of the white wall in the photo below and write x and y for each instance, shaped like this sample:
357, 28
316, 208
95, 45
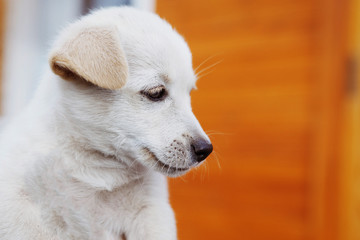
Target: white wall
31, 27
144, 4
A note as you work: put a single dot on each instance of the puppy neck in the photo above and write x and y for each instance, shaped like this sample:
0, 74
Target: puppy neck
97, 169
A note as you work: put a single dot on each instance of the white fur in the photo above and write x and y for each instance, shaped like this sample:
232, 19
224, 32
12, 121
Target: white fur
79, 162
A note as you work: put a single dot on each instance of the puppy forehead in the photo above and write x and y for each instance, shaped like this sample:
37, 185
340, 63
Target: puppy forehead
167, 69
157, 54
165, 53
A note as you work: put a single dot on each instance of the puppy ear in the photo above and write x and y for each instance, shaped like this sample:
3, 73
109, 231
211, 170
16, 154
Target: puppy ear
93, 54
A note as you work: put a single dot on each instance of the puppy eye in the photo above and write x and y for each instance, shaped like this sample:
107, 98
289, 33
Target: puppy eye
155, 94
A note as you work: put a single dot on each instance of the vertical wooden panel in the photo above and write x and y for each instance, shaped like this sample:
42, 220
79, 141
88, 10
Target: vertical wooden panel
350, 194
330, 89
276, 97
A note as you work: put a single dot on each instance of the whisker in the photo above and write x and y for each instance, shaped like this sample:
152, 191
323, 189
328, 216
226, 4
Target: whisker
162, 168
131, 164
207, 68
210, 133
203, 62
203, 75
216, 157
215, 133
205, 171
183, 179
208, 169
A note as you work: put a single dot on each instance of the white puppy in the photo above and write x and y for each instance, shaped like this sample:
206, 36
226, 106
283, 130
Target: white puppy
87, 159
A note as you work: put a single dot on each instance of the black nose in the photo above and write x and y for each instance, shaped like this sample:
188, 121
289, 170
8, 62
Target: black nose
202, 149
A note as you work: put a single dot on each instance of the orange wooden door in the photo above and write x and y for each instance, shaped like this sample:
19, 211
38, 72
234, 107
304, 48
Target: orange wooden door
271, 108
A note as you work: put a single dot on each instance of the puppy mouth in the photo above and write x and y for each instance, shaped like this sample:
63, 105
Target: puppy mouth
173, 169
163, 167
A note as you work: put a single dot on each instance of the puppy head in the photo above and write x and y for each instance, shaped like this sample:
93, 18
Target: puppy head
136, 103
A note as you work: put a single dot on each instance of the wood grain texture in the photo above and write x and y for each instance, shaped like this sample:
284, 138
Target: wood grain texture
330, 89
274, 98
350, 171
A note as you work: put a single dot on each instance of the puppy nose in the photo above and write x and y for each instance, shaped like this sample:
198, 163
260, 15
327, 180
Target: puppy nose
202, 149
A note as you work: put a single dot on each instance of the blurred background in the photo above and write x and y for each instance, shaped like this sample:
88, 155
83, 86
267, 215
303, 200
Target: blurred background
278, 95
